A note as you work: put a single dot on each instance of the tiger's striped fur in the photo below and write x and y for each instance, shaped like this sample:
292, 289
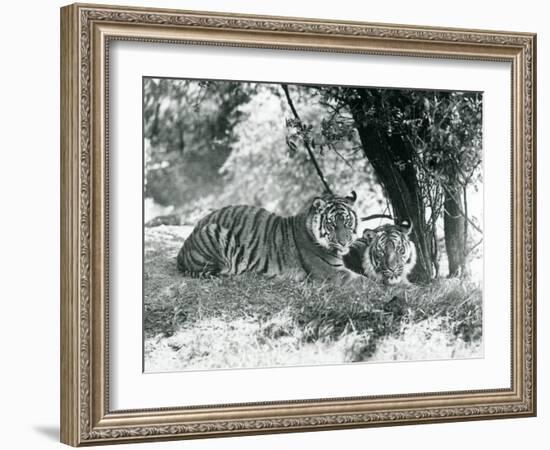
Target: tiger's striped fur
238, 239
385, 254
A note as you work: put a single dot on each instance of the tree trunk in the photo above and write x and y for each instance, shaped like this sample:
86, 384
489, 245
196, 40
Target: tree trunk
391, 158
453, 221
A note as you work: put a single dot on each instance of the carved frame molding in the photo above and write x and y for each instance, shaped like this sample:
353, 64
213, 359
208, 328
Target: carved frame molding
86, 31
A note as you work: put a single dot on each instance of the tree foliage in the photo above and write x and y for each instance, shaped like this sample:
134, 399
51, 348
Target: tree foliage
188, 130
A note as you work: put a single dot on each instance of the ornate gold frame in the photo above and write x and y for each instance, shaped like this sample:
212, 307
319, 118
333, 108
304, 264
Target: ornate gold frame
86, 31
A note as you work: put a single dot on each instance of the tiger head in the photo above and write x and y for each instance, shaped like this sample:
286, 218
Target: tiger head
390, 255
332, 222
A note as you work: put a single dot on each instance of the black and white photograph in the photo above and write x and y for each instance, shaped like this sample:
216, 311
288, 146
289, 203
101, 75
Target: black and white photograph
290, 224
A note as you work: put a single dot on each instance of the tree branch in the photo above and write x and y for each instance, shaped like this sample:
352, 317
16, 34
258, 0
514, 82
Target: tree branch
333, 148
377, 216
472, 223
306, 144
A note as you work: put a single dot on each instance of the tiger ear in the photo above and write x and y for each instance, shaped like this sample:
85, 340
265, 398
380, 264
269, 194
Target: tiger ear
319, 203
406, 226
369, 235
352, 197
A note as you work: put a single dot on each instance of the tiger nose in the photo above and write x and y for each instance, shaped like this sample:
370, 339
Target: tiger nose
391, 258
342, 242
342, 237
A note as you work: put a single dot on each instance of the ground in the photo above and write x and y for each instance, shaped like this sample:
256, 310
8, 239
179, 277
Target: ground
251, 321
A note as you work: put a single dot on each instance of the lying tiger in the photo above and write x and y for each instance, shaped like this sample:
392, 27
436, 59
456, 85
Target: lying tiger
238, 239
385, 254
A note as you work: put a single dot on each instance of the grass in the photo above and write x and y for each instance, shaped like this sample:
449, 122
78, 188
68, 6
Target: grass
252, 321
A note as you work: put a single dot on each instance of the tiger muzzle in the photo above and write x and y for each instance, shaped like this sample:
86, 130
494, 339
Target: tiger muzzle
393, 269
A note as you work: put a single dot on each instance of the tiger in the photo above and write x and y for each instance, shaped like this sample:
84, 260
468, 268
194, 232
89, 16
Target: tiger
385, 254
238, 239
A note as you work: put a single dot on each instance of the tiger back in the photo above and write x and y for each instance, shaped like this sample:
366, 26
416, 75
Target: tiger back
239, 239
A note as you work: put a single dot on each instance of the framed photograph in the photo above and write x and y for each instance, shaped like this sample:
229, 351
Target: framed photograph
276, 224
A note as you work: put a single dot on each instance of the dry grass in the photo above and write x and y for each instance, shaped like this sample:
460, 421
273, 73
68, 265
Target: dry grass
251, 321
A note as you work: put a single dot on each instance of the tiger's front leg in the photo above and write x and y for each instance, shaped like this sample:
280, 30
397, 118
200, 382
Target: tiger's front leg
343, 277
296, 275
